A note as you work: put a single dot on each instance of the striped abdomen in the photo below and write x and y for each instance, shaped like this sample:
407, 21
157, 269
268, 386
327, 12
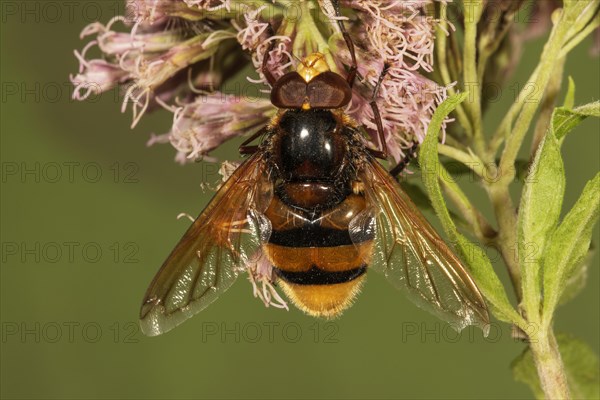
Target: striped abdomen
319, 266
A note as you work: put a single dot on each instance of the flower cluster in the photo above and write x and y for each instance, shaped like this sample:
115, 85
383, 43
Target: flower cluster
400, 36
179, 54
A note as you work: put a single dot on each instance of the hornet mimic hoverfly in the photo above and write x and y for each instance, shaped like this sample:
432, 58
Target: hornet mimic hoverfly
314, 200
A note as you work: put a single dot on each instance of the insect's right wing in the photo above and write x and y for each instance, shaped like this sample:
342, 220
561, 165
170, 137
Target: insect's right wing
218, 245
412, 256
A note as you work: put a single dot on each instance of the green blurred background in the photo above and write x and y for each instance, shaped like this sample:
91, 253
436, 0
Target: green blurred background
78, 251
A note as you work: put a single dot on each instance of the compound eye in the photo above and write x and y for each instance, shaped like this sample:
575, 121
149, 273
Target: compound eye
328, 90
289, 91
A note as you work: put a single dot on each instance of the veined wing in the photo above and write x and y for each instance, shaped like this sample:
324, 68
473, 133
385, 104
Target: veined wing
411, 254
209, 256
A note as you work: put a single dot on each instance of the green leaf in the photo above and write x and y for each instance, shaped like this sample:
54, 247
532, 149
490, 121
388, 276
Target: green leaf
569, 245
565, 119
577, 278
570, 97
542, 197
581, 368
539, 212
479, 264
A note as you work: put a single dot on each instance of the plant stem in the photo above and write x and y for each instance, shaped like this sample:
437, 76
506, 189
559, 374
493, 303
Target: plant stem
470, 160
576, 39
549, 365
473, 11
548, 103
441, 44
547, 63
503, 129
494, 32
476, 221
507, 231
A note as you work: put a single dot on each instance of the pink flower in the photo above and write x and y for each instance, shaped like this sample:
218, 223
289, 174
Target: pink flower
400, 35
95, 76
254, 37
260, 274
398, 32
210, 120
152, 11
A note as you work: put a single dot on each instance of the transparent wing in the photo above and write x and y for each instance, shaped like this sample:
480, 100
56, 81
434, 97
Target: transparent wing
412, 256
209, 256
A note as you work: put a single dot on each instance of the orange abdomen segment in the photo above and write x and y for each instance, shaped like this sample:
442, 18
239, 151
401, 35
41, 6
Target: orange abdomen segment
328, 259
326, 301
317, 263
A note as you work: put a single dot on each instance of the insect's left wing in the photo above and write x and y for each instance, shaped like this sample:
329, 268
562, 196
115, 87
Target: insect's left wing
412, 256
218, 245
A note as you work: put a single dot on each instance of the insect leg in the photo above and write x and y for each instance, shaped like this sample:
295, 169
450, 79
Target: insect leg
352, 71
377, 117
264, 69
404, 162
245, 149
